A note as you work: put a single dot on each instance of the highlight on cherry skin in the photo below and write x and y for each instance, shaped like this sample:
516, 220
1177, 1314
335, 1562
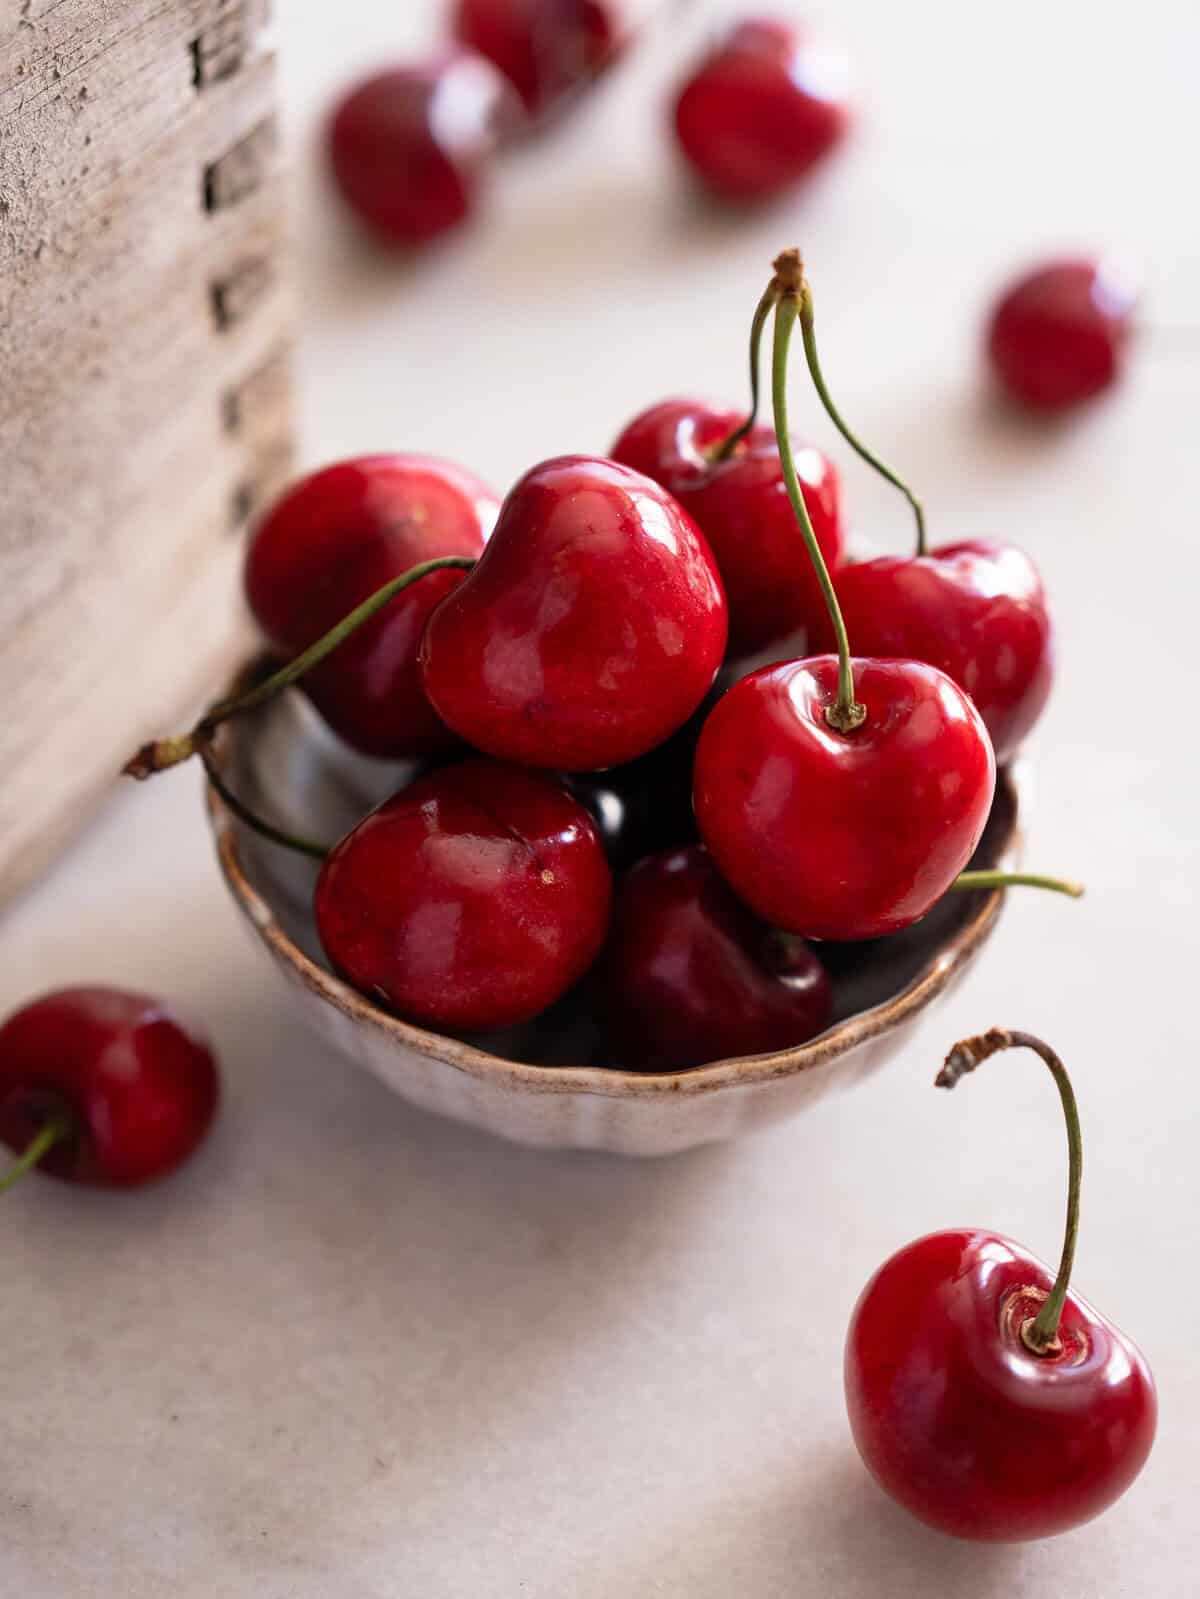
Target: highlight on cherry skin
549, 50
102, 1086
739, 500
329, 542
1059, 335
984, 1395
764, 107
410, 147
591, 628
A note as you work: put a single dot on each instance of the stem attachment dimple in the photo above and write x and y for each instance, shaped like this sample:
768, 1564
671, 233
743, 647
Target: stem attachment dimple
845, 714
55, 1131
1039, 1333
161, 753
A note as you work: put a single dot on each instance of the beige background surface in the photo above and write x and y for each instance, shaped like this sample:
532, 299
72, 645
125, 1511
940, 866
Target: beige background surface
353, 1353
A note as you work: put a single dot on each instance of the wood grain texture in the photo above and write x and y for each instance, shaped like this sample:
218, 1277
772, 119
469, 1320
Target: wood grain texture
144, 411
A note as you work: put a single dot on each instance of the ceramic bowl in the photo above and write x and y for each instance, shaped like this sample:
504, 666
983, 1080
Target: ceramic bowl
542, 1084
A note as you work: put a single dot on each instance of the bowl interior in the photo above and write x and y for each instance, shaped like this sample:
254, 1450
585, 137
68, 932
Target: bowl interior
290, 769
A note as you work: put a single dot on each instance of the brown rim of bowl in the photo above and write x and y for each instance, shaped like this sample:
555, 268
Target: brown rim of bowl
612, 1082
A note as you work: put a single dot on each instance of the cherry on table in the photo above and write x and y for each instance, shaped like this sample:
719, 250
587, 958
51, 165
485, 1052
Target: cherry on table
762, 109
689, 975
409, 147
983, 1395
332, 540
469, 901
591, 628
1058, 336
547, 49
103, 1086
740, 502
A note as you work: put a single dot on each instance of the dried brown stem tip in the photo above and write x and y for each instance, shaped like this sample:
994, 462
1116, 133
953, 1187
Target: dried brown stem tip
789, 272
158, 755
971, 1052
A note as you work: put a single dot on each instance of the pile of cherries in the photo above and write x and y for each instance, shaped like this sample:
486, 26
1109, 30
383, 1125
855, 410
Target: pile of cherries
608, 785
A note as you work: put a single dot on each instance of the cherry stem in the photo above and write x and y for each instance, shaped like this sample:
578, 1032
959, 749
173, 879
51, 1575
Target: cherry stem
845, 714
808, 335
242, 811
161, 753
1040, 1332
55, 1131
967, 881
765, 306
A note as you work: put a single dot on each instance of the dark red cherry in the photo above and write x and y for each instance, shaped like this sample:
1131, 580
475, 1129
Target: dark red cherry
838, 835
762, 109
975, 609
409, 147
590, 630
741, 505
547, 49
1059, 335
470, 900
131, 1089
690, 976
327, 544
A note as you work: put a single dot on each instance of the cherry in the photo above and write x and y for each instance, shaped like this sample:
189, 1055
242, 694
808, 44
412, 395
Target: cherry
468, 901
1058, 335
690, 976
976, 609
547, 49
839, 797
983, 1396
409, 146
102, 1086
762, 109
591, 628
332, 540
740, 501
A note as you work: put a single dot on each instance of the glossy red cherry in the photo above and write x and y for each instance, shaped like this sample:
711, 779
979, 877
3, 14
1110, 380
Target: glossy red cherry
690, 976
111, 1088
762, 109
741, 505
963, 1411
547, 49
333, 539
409, 147
1059, 335
591, 628
843, 835
975, 609
470, 900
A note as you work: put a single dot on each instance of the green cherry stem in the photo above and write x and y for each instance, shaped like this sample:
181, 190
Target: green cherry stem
757, 328
164, 752
1039, 1333
808, 335
966, 882
257, 824
845, 714
55, 1131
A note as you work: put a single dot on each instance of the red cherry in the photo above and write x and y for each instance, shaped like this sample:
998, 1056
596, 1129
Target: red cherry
332, 540
545, 48
691, 976
591, 628
741, 505
983, 1396
843, 835
409, 146
130, 1089
1059, 335
975, 609
470, 901
762, 110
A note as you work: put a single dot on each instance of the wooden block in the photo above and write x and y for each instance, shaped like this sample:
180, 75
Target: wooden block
145, 399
